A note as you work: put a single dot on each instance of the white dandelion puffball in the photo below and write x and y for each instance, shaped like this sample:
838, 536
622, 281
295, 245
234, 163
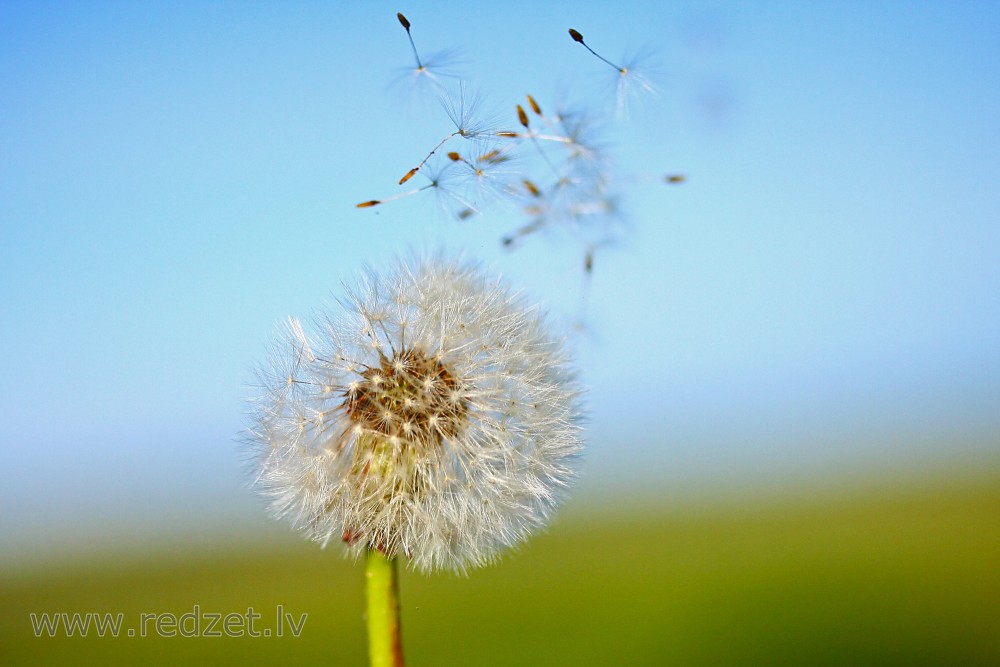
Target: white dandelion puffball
433, 417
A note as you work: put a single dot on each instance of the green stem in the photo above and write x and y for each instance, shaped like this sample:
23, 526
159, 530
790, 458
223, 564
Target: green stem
385, 646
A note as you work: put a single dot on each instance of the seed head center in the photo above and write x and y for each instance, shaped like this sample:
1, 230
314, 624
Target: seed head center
410, 396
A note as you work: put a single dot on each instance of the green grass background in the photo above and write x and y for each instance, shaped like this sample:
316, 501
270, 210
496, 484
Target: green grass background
896, 575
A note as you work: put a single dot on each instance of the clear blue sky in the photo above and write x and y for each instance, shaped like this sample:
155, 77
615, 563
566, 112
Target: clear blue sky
177, 177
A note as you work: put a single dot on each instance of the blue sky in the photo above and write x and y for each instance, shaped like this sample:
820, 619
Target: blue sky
176, 178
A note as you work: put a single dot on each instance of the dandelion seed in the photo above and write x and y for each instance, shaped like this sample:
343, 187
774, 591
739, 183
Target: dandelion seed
521, 116
463, 112
439, 180
534, 105
588, 270
452, 427
631, 77
494, 156
487, 173
579, 131
530, 228
376, 202
432, 67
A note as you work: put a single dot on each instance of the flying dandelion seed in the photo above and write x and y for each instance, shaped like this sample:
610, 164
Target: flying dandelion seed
429, 70
434, 417
443, 180
633, 75
554, 168
534, 105
531, 134
463, 111
489, 173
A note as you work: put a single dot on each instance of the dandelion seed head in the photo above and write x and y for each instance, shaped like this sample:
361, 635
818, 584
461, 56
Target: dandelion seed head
446, 432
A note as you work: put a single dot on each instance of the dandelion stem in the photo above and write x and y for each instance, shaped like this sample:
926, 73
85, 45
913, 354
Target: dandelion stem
385, 646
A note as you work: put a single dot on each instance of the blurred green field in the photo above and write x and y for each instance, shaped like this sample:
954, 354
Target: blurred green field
902, 576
